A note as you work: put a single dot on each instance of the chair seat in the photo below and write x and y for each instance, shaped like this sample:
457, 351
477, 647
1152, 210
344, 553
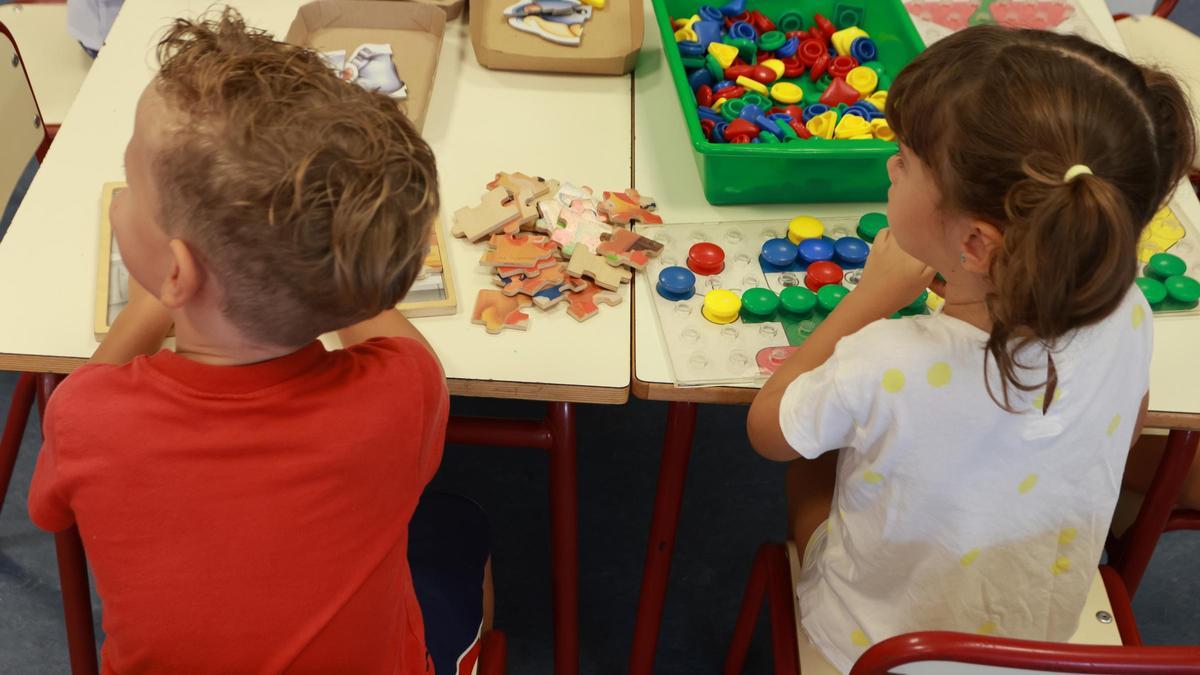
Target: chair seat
1091, 630
1158, 42
55, 61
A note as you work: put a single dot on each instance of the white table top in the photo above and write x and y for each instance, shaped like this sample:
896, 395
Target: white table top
479, 122
665, 169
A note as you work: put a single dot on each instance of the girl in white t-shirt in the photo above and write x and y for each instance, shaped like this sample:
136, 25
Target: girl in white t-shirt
981, 449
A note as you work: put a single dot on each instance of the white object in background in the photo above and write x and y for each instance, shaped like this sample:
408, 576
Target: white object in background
1166, 45
89, 21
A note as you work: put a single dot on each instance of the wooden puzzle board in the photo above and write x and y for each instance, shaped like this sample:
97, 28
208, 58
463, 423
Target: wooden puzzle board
704, 353
431, 295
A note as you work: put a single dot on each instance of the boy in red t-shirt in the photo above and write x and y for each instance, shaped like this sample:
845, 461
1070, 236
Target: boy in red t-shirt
245, 500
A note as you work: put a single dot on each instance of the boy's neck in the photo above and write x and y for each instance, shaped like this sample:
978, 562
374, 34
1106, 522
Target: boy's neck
219, 343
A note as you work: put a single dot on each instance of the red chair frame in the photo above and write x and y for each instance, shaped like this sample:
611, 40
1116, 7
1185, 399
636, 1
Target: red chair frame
23, 394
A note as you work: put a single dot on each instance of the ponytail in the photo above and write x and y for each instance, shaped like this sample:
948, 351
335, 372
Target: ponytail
1082, 230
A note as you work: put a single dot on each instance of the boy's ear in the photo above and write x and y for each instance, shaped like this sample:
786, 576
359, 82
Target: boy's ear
982, 243
184, 277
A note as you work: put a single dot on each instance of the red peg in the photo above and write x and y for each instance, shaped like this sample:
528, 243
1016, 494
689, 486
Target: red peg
842, 65
816, 70
822, 273
839, 91
704, 96
706, 259
824, 24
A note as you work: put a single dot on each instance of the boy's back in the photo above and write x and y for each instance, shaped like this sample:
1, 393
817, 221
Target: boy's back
249, 515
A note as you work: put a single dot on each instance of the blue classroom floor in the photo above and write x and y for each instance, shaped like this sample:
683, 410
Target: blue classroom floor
734, 501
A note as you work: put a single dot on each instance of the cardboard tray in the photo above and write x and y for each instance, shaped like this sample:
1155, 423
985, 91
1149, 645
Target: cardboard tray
413, 29
452, 8
611, 41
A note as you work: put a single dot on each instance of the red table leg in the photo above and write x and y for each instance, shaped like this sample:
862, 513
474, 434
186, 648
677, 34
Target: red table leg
1137, 545
672, 473
556, 435
564, 537
14, 429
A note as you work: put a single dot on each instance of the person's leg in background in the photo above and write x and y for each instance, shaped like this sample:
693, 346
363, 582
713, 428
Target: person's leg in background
449, 552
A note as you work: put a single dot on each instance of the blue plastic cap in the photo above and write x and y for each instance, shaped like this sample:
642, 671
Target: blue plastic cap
743, 30
751, 113
707, 31
733, 7
692, 48
814, 110
864, 49
676, 283
851, 251
779, 252
789, 48
718, 132
699, 78
814, 250
724, 83
766, 123
710, 13
709, 114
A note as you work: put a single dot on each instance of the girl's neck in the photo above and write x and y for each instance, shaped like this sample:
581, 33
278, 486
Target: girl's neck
967, 303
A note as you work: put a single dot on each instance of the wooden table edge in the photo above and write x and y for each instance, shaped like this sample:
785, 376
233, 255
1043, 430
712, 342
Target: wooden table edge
528, 391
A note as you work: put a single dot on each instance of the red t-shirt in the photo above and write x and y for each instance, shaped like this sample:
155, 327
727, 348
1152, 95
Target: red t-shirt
249, 518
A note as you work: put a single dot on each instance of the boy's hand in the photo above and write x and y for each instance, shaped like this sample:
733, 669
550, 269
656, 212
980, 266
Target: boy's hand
892, 278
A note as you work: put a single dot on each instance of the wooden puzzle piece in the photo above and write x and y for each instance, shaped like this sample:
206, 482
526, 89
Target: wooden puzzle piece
497, 311
584, 263
569, 193
517, 182
621, 208
554, 277
549, 297
527, 206
582, 304
626, 247
496, 209
518, 250
579, 225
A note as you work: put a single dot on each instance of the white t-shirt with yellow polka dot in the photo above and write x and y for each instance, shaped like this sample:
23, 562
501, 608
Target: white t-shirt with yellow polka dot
950, 513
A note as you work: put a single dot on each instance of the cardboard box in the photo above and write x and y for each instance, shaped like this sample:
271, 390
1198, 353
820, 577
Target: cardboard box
452, 8
413, 29
610, 45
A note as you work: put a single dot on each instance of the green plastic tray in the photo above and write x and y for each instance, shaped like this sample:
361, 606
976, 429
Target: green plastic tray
813, 170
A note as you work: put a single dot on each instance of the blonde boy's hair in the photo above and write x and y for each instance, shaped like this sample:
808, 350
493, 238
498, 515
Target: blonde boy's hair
310, 199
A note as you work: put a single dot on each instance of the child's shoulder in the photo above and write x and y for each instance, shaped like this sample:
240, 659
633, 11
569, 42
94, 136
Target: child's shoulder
911, 335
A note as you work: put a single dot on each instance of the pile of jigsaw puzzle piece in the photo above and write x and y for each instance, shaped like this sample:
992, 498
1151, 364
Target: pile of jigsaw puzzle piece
550, 243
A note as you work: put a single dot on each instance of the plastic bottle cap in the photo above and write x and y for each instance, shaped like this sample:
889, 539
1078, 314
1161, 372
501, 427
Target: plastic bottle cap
1153, 289
759, 303
1183, 289
822, 273
787, 92
870, 224
706, 258
797, 300
815, 250
721, 306
1163, 265
829, 297
779, 252
676, 283
805, 227
851, 251
863, 79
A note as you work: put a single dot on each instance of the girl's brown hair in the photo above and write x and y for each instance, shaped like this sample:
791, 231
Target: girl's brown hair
1000, 115
309, 198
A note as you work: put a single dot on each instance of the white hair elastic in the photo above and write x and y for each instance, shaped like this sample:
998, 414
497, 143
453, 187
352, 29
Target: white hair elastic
1077, 170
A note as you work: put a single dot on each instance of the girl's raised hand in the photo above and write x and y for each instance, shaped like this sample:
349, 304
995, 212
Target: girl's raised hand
892, 278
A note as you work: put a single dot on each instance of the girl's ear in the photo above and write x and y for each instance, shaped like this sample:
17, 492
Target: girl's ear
981, 244
184, 278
